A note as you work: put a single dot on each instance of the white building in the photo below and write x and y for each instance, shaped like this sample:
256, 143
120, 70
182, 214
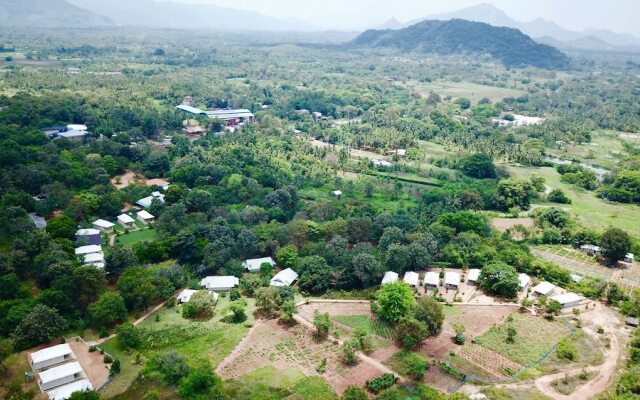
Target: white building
93, 259
591, 249
337, 193
451, 280
219, 283
89, 249
146, 202
125, 220
60, 375
524, 281
411, 278
381, 163
629, 258
102, 225
284, 278
431, 280
185, 295
51, 356
145, 217
65, 391
253, 265
544, 289
473, 275
389, 277
568, 300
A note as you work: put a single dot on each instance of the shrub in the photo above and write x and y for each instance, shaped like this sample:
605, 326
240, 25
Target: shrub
107, 359
381, 383
115, 368
558, 196
567, 350
354, 393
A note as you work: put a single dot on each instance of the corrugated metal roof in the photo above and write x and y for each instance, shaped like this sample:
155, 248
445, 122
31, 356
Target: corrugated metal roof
431, 278
253, 265
473, 275
65, 391
284, 278
411, 278
60, 371
389, 277
50, 353
219, 282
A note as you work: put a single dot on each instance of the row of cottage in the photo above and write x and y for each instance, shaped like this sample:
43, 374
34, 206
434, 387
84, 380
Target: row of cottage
58, 373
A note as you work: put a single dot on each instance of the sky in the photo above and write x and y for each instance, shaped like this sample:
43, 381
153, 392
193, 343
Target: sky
615, 15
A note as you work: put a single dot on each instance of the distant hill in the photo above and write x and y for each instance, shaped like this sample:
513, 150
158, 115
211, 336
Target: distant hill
48, 14
507, 45
175, 15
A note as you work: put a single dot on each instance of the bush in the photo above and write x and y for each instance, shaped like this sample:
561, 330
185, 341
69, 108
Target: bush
558, 196
234, 294
115, 368
354, 393
128, 336
381, 383
107, 359
567, 350
348, 354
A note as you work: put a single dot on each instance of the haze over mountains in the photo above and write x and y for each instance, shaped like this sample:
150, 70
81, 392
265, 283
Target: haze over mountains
48, 14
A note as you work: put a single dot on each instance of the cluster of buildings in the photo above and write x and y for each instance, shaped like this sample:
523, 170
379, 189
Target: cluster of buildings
229, 117
549, 290
70, 131
58, 373
89, 246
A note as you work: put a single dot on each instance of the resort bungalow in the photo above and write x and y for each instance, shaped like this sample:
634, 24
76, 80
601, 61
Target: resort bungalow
60, 375
568, 300
89, 249
284, 278
591, 249
94, 259
145, 217
229, 117
337, 193
544, 289
253, 265
64, 392
431, 280
411, 278
451, 280
88, 236
103, 226
219, 283
186, 294
389, 277
473, 275
524, 281
51, 356
146, 202
126, 220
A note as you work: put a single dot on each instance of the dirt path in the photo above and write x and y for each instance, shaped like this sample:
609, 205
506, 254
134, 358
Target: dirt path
127, 179
136, 322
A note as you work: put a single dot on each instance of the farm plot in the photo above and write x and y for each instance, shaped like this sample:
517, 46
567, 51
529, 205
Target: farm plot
334, 307
494, 363
572, 264
371, 324
534, 339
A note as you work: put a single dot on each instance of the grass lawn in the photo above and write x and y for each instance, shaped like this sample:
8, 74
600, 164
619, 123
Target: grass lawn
535, 336
471, 91
605, 150
379, 200
131, 238
313, 388
370, 324
588, 209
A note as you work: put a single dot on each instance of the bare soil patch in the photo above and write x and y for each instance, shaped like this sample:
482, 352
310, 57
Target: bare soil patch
125, 180
334, 307
92, 362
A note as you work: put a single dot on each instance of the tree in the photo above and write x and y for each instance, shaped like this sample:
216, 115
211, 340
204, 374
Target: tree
6, 349
201, 384
558, 196
429, 312
128, 336
395, 301
398, 258
511, 334
459, 329
553, 308
287, 257
287, 310
267, 300
119, 259
322, 323
515, 192
63, 227
416, 365
500, 279
410, 332
172, 365
108, 309
478, 166
615, 244
235, 311
354, 393
41, 325
391, 235
348, 353
85, 395
315, 274
367, 269
200, 305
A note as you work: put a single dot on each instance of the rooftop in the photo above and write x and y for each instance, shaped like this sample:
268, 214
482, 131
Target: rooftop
567, 298
102, 223
145, 215
219, 282
65, 391
411, 278
284, 278
50, 352
126, 219
92, 248
452, 278
473, 275
431, 278
254, 264
544, 288
389, 277
60, 371
87, 232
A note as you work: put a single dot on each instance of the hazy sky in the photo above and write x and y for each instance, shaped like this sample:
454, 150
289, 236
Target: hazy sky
616, 15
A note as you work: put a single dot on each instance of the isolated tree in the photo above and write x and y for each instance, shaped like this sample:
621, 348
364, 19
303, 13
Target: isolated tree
478, 166
410, 332
41, 325
287, 310
500, 279
395, 301
235, 311
322, 323
459, 329
558, 196
108, 309
615, 244
511, 334
348, 353
430, 313
200, 305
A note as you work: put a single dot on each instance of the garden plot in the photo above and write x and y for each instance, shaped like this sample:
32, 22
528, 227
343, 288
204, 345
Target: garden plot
334, 308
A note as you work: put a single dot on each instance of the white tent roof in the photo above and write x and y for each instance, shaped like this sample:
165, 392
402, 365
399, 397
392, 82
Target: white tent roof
65, 391
473, 275
411, 278
101, 223
567, 298
125, 219
93, 258
89, 249
50, 352
253, 265
284, 278
145, 215
60, 371
544, 288
431, 278
87, 232
452, 278
219, 282
524, 280
337, 192
389, 277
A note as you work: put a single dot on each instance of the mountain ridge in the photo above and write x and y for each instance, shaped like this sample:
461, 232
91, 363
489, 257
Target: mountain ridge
49, 14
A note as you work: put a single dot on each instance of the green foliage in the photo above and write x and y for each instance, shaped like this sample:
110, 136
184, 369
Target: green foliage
459, 329
381, 383
348, 353
409, 364
395, 301
39, 326
500, 279
354, 393
410, 332
322, 323
201, 383
558, 196
478, 166
235, 311
567, 350
200, 305
429, 312
128, 336
615, 244
85, 395
108, 309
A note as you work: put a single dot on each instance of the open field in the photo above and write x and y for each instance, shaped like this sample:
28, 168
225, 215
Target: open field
371, 324
471, 91
133, 237
605, 149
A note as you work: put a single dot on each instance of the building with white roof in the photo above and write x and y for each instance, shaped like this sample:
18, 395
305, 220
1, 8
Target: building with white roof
431, 279
629, 258
89, 249
337, 193
389, 277
93, 258
87, 232
145, 217
77, 127
473, 275
253, 265
102, 225
220, 283
146, 202
51, 356
185, 295
568, 300
125, 220
591, 249
451, 280
60, 375
411, 278
284, 278
524, 281
544, 289
381, 163
65, 391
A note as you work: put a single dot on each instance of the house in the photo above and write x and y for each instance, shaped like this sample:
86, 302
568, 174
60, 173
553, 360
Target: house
38, 221
411, 278
65, 391
451, 280
60, 375
544, 289
89, 249
186, 294
337, 193
220, 283
146, 202
103, 226
253, 265
568, 300
628, 258
284, 278
632, 321
431, 280
70, 134
145, 217
88, 236
473, 275
524, 281
93, 259
381, 163
51, 356
125, 220
228, 116
590, 249
389, 277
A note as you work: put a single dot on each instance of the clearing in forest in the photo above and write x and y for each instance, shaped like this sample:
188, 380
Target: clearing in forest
471, 91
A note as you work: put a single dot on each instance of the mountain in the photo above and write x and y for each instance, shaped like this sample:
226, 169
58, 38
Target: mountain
175, 15
483, 12
508, 45
48, 14
391, 24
